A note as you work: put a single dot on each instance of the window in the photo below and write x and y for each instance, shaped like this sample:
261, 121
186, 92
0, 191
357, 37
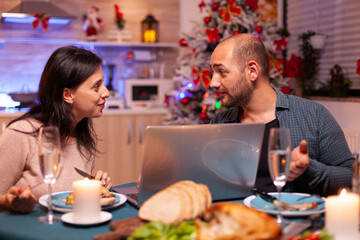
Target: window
340, 21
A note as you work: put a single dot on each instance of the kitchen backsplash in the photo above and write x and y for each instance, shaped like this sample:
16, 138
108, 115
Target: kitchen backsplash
21, 63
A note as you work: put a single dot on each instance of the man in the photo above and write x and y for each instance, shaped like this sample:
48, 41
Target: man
322, 162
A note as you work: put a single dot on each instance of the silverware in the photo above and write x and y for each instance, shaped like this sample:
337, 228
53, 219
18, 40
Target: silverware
84, 174
267, 197
295, 228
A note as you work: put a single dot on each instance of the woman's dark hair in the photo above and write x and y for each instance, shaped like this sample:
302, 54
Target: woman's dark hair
67, 67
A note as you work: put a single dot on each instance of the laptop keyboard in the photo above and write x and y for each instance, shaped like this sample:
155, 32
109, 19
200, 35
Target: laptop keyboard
133, 196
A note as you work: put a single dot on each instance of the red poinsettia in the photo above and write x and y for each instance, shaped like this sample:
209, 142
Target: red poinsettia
292, 67
41, 18
358, 67
119, 18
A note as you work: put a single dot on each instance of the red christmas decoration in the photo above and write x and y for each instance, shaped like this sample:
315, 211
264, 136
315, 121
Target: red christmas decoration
185, 101
183, 42
258, 28
213, 34
41, 18
252, 4
280, 42
358, 67
130, 55
203, 116
202, 5
207, 19
276, 63
231, 9
236, 32
215, 6
292, 67
201, 75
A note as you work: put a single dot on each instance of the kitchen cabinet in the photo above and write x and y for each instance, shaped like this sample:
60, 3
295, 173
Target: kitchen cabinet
121, 142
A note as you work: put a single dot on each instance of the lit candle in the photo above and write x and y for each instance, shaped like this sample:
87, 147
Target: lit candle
87, 200
150, 36
342, 215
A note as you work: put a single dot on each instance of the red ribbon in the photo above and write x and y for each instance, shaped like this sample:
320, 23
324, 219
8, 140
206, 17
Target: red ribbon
213, 34
41, 18
231, 9
252, 3
201, 75
202, 5
281, 42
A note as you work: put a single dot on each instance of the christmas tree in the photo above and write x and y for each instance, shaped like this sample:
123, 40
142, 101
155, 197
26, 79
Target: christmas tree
193, 101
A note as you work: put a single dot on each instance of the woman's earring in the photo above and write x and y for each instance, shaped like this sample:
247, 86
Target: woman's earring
71, 103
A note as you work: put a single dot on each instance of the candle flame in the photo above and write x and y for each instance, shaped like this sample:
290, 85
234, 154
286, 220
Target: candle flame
343, 193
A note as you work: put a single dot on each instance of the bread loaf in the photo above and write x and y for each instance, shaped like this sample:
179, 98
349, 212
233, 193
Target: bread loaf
181, 201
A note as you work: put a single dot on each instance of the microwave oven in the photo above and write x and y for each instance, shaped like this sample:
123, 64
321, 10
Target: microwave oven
146, 93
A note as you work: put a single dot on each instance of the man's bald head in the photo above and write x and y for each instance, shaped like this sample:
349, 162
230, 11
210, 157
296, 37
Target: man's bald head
246, 48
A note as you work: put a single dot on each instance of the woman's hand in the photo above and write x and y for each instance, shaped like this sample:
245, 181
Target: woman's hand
104, 178
19, 200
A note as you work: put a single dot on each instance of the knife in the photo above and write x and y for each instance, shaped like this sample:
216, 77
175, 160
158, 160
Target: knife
295, 228
84, 174
267, 197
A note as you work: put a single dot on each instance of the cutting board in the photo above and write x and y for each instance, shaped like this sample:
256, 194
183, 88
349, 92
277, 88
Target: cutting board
121, 229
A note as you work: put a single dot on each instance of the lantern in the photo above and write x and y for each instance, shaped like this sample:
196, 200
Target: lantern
150, 31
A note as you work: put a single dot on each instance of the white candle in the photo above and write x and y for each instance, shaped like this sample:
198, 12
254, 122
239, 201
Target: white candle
87, 200
342, 215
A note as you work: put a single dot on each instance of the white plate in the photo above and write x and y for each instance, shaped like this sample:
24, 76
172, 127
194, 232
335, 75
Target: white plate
291, 198
69, 218
43, 202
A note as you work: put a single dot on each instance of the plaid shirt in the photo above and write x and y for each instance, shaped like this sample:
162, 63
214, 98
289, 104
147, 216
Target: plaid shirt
331, 162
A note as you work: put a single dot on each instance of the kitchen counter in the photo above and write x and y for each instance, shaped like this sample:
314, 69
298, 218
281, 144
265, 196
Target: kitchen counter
14, 112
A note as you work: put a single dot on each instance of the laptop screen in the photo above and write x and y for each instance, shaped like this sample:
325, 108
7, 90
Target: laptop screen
225, 157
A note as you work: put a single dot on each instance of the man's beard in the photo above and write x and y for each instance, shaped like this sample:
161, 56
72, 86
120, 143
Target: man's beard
241, 96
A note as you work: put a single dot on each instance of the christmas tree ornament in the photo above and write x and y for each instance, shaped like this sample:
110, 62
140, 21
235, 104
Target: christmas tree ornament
213, 35
203, 116
202, 5
230, 9
130, 55
280, 43
185, 101
236, 32
258, 28
183, 43
41, 18
358, 66
215, 6
207, 19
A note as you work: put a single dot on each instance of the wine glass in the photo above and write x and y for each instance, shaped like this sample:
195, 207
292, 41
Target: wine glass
279, 161
49, 155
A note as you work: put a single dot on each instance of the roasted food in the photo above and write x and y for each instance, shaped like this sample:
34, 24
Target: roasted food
236, 221
181, 201
106, 199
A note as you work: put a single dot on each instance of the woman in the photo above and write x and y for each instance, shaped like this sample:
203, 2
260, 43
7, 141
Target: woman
71, 92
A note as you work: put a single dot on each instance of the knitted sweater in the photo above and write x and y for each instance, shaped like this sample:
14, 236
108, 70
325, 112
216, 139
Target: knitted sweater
20, 165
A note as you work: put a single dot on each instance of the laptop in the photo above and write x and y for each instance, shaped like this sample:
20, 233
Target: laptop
225, 157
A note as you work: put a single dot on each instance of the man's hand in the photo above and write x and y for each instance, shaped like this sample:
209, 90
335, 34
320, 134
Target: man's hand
299, 161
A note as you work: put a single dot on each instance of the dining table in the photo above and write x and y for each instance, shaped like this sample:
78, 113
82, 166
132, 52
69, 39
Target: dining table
27, 227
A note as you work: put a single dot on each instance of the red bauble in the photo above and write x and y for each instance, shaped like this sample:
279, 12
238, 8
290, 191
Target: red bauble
185, 101
215, 6
258, 28
203, 116
207, 19
183, 42
236, 32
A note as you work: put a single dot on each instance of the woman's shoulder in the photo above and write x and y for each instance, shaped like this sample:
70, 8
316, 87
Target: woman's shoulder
25, 125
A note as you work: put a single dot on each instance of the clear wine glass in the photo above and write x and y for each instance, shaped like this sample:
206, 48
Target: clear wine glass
49, 156
279, 162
